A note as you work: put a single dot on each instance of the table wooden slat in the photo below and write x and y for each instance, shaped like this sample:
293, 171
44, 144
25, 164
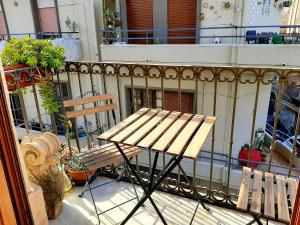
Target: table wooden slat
159, 130
170, 134
146, 129
121, 136
283, 211
120, 126
178, 146
269, 209
292, 190
242, 203
198, 140
256, 193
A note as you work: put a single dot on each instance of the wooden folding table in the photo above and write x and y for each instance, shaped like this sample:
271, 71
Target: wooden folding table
180, 135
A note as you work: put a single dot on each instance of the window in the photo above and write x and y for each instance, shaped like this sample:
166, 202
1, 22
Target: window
16, 110
139, 100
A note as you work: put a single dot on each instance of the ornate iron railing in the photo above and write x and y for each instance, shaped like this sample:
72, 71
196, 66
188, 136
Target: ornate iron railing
210, 87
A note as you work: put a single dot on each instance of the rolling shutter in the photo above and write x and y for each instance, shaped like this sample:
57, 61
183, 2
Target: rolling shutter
140, 17
182, 14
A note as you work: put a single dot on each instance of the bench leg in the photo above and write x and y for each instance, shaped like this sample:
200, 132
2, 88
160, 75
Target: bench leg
194, 189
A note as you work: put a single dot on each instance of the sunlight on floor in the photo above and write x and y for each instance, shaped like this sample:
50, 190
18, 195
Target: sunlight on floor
176, 210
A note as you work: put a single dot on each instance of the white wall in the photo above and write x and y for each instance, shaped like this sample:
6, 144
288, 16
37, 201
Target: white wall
272, 55
19, 18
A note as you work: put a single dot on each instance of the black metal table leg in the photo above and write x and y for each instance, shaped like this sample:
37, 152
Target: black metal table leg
153, 188
142, 185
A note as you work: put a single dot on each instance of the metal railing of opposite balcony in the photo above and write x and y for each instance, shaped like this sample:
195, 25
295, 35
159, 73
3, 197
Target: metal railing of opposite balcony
40, 35
230, 34
93, 78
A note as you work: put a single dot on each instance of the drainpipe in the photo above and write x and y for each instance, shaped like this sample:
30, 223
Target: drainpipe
5, 20
57, 18
35, 16
198, 22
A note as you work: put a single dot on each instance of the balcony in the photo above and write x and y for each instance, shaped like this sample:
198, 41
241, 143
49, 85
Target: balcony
206, 45
238, 95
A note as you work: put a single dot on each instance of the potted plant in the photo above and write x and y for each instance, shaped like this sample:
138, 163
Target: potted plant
72, 165
39, 55
70, 43
287, 3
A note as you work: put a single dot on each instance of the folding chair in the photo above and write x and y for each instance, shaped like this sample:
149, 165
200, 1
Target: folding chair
100, 156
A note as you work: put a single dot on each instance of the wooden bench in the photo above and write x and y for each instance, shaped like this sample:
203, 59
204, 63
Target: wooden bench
267, 195
99, 156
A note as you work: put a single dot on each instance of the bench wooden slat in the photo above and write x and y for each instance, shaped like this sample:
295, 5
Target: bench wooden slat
146, 129
283, 211
159, 130
83, 112
134, 126
256, 193
122, 125
198, 140
170, 134
111, 154
292, 190
178, 146
113, 161
102, 153
269, 207
242, 203
93, 99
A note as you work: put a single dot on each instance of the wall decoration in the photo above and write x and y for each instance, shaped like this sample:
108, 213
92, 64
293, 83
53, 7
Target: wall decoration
211, 7
201, 16
254, 10
227, 5
205, 5
266, 7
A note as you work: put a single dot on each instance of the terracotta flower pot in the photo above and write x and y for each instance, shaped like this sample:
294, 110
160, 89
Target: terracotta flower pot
26, 78
79, 176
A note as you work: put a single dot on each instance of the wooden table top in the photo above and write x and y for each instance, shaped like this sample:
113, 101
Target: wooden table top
164, 131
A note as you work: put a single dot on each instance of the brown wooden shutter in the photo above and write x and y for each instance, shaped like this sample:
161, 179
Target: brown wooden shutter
48, 20
140, 17
182, 14
171, 102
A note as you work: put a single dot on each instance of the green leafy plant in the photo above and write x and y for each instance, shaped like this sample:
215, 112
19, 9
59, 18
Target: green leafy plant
71, 25
69, 159
41, 55
49, 102
74, 164
35, 53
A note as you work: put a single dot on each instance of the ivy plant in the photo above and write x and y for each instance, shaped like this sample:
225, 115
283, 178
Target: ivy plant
48, 97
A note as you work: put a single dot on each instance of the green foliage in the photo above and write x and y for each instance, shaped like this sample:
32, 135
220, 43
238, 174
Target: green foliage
23, 90
48, 97
71, 25
35, 53
74, 164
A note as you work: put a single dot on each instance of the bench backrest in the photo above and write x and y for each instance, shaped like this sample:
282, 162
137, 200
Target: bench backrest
86, 111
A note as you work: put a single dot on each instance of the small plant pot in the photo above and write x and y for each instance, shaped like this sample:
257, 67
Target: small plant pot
27, 77
79, 176
287, 3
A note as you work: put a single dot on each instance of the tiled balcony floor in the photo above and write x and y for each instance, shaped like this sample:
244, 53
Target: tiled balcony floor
176, 210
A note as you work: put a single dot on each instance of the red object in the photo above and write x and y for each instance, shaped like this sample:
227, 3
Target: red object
79, 175
255, 157
25, 77
296, 210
